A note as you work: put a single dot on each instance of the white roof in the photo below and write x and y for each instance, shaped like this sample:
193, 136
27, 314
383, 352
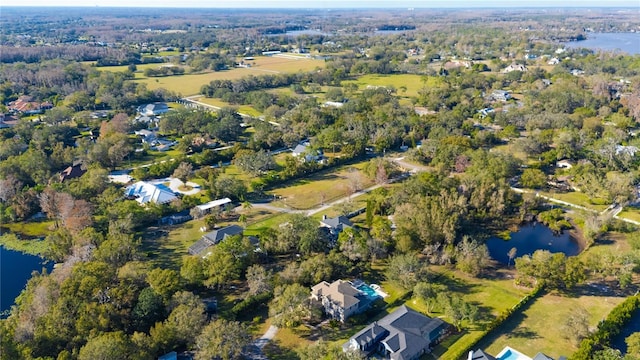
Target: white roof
146, 192
214, 203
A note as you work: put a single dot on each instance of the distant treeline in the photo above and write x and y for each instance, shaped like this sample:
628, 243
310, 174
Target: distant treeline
34, 54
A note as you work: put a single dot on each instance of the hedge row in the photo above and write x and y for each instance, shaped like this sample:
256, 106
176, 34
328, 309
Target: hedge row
493, 325
251, 302
608, 328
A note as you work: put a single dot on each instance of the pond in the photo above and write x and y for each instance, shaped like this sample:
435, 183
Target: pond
15, 271
530, 238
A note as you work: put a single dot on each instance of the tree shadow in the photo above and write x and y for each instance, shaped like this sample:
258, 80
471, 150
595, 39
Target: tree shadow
455, 284
275, 351
509, 327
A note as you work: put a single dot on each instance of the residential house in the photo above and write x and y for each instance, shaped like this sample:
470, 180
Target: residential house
213, 238
146, 136
153, 109
479, 355
177, 218
7, 121
74, 171
335, 104
335, 224
577, 72
485, 112
405, 334
306, 154
206, 208
553, 61
340, 299
564, 164
626, 150
420, 110
145, 192
515, 67
25, 104
500, 95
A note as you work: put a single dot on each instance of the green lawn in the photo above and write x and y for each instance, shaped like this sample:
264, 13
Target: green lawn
538, 327
322, 187
190, 84
576, 198
512, 150
631, 213
167, 250
413, 83
492, 296
244, 109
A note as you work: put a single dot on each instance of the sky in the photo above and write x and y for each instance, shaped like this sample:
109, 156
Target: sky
328, 4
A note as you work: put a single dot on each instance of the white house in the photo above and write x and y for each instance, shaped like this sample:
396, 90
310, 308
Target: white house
145, 192
515, 67
153, 109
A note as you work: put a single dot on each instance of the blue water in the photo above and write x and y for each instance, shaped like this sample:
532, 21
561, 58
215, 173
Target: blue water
626, 42
15, 271
368, 290
509, 355
530, 238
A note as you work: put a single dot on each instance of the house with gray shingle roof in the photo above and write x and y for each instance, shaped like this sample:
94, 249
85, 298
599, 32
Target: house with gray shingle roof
405, 334
213, 238
335, 224
340, 299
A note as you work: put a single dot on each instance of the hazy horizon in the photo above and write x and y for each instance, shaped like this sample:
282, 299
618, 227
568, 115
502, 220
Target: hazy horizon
328, 4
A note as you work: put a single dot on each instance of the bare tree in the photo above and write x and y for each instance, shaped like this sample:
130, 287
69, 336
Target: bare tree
511, 254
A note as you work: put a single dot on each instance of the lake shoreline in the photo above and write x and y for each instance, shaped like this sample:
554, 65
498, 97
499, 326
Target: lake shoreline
31, 247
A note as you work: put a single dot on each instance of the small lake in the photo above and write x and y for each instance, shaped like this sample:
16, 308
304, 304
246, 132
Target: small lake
632, 326
15, 271
627, 42
530, 238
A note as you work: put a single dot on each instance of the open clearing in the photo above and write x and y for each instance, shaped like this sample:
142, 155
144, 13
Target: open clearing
322, 187
190, 84
539, 326
413, 83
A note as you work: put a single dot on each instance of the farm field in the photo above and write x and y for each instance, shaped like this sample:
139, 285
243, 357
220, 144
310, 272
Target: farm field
190, 84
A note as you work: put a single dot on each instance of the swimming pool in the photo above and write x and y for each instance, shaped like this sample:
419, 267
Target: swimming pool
368, 291
510, 354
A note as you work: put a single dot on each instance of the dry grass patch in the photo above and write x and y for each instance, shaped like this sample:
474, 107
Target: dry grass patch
322, 187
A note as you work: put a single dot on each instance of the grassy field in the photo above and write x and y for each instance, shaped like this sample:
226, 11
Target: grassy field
244, 109
491, 295
511, 149
190, 84
321, 187
538, 327
576, 198
413, 83
631, 213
